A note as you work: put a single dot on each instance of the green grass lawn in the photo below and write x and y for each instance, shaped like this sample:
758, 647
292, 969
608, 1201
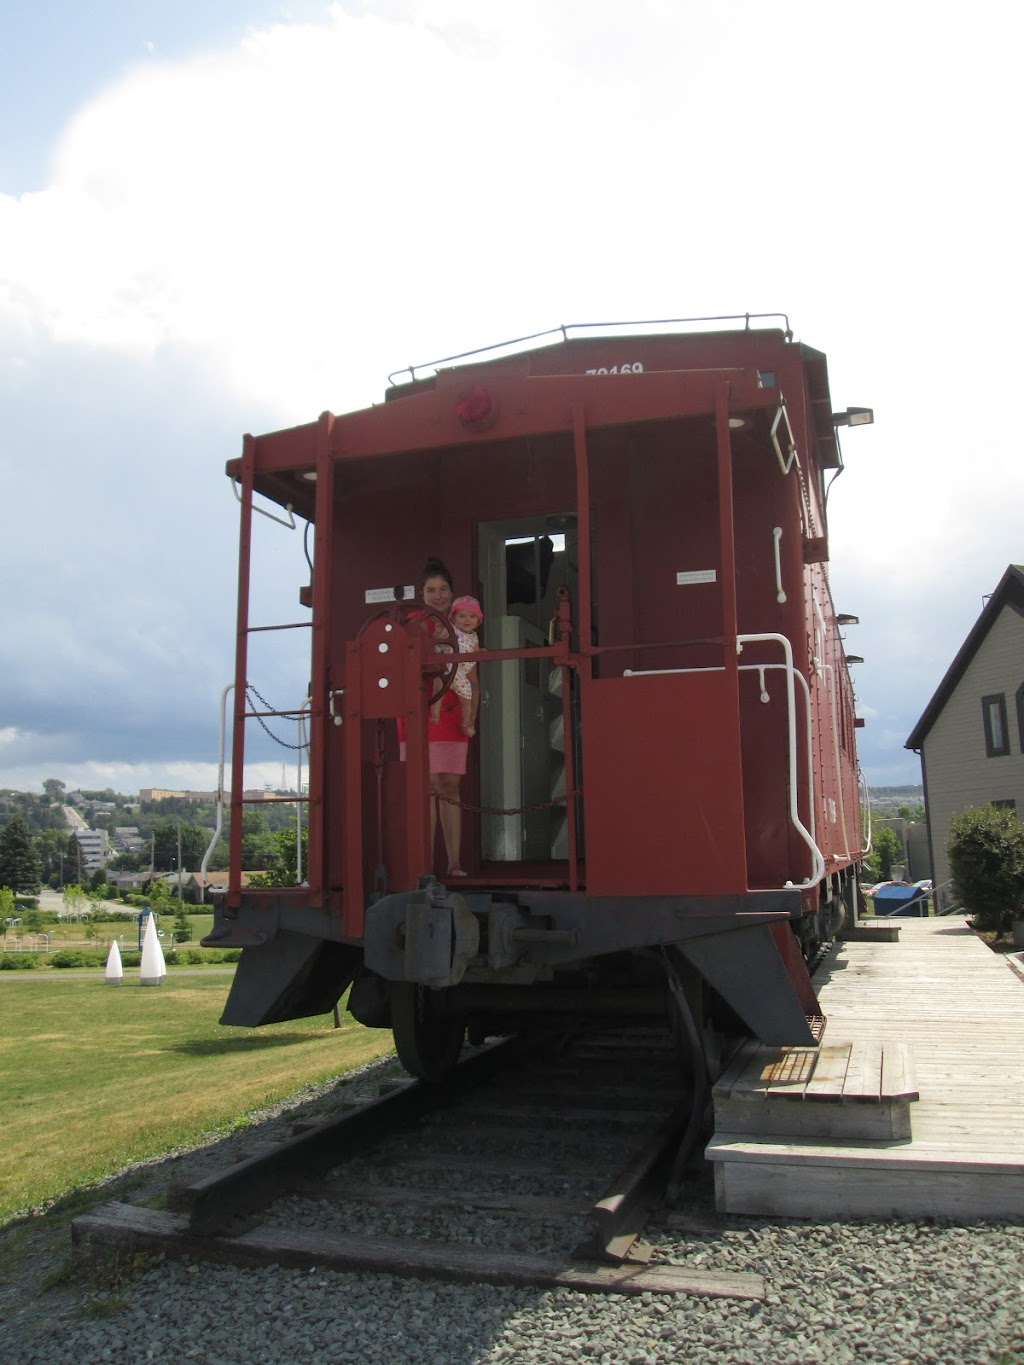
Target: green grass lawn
94, 1077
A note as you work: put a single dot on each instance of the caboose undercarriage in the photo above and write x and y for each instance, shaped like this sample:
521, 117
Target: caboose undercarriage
660, 816
438, 964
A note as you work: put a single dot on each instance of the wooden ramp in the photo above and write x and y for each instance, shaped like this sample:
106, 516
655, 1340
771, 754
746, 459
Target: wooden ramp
838, 1132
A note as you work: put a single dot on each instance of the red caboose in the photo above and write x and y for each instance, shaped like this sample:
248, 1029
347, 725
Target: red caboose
660, 809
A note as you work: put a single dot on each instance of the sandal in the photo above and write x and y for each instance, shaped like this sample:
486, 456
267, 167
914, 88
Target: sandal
456, 872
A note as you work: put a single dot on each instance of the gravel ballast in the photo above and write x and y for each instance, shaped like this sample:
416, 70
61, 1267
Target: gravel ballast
899, 1291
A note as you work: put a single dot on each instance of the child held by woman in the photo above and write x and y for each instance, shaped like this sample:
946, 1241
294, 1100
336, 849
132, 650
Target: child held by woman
466, 616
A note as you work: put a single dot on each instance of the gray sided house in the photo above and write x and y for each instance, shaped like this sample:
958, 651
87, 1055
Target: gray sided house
971, 734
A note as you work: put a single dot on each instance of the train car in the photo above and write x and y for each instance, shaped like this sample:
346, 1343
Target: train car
660, 814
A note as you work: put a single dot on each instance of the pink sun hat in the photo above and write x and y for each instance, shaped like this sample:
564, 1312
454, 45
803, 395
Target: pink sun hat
467, 604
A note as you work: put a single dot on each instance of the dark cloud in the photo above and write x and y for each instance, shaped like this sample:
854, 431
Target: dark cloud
119, 551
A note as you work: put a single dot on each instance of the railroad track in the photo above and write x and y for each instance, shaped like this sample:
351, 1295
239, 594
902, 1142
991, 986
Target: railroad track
534, 1165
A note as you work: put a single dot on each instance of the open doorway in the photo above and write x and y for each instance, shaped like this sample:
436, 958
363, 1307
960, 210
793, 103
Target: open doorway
523, 564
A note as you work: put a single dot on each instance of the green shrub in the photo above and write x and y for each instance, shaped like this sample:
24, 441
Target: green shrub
18, 962
77, 957
985, 848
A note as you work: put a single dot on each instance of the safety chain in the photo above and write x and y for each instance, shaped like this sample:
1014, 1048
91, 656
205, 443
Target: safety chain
513, 810
251, 692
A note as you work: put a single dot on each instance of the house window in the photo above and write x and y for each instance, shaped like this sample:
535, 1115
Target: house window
1020, 715
997, 739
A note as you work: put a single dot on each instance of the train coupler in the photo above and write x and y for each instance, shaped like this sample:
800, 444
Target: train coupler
428, 936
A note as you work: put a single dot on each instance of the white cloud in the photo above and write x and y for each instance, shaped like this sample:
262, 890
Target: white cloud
129, 778
265, 231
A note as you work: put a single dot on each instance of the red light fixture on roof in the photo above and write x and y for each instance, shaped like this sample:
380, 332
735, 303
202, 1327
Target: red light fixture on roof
476, 407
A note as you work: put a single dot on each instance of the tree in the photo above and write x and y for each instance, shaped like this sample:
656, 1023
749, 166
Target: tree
258, 847
890, 851
909, 813
51, 847
74, 898
985, 848
885, 851
159, 895
19, 866
165, 844
129, 862
54, 788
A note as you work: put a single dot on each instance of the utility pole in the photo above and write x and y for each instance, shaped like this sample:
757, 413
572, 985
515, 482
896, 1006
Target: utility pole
180, 901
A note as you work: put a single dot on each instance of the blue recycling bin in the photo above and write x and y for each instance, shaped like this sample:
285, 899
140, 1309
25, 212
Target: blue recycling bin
896, 899
144, 915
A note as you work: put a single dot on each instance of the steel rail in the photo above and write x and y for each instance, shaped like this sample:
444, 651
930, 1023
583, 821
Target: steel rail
214, 1202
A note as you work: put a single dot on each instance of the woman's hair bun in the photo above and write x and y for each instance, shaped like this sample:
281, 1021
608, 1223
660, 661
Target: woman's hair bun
436, 568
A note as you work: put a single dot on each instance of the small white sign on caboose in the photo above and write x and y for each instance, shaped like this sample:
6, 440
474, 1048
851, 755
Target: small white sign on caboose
697, 576
388, 594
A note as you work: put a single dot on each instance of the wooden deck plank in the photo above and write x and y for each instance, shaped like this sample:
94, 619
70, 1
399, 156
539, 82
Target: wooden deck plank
864, 1073
830, 1073
898, 1071
737, 1065
790, 1076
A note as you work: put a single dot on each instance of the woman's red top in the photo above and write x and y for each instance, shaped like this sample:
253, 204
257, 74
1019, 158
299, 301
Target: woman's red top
448, 729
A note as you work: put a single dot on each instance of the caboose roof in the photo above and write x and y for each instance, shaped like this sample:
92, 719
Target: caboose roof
285, 459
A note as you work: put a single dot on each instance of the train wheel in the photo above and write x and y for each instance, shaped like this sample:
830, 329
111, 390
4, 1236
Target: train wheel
427, 1040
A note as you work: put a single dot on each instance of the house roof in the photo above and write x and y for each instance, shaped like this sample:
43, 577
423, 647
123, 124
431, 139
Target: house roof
216, 881
1008, 593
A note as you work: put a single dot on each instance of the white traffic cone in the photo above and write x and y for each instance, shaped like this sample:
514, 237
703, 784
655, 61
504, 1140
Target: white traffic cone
114, 971
151, 969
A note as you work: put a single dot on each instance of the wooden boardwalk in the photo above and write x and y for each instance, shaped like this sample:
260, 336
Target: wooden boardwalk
960, 1008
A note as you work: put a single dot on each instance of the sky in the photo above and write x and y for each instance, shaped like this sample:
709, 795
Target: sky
220, 218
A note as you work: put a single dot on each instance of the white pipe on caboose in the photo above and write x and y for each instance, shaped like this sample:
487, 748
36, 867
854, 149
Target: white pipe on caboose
818, 862
835, 750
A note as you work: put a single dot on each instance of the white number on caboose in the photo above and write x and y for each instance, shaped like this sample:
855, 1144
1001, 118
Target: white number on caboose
635, 368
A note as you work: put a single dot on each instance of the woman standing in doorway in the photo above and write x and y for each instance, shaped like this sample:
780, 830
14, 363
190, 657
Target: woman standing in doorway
447, 743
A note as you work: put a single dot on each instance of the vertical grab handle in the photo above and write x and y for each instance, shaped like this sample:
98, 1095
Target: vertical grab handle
780, 594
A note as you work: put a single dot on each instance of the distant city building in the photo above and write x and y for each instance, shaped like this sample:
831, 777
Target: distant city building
126, 839
95, 848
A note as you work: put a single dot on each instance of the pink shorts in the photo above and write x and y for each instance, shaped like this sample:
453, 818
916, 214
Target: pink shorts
446, 756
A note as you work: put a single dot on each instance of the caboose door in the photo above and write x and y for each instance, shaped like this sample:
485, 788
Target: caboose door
522, 564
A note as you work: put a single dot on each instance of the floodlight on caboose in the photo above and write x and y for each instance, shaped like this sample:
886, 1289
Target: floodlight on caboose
854, 659
854, 417
846, 619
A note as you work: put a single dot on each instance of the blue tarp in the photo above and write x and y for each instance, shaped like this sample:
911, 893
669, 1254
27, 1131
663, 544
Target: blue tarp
899, 898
